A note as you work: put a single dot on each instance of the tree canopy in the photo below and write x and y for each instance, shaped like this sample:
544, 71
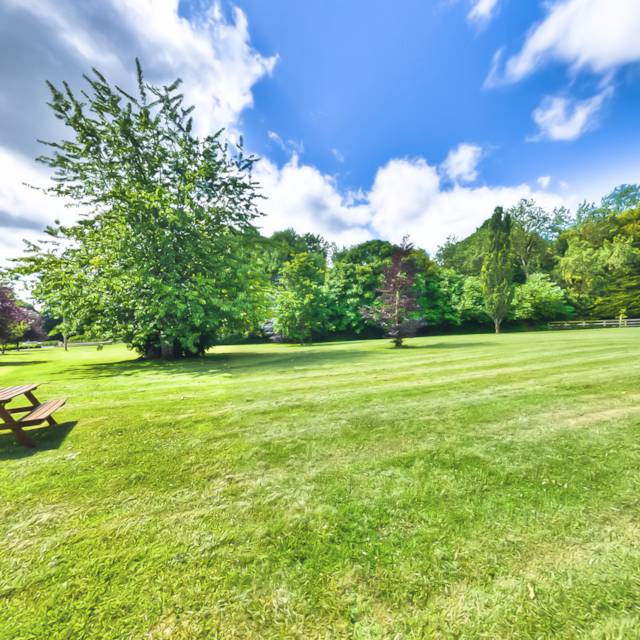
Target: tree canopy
164, 255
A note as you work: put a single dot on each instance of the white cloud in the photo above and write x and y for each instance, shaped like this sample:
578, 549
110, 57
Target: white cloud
25, 211
406, 197
301, 197
42, 40
337, 155
461, 163
544, 182
599, 35
482, 11
274, 137
562, 118
432, 213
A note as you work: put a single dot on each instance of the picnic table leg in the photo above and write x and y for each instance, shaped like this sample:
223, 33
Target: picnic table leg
20, 436
34, 401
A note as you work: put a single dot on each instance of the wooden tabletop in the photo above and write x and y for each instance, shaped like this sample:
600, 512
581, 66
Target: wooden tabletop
11, 392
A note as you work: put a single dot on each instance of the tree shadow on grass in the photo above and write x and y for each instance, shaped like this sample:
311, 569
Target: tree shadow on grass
46, 438
449, 345
287, 358
17, 363
218, 364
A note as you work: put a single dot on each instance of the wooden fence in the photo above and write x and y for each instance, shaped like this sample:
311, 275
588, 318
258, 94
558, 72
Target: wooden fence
594, 324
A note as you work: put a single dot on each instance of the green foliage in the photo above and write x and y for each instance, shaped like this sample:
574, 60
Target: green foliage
165, 255
396, 304
540, 299
282, 246
497, 270
353, 282
300, 305
601, 263
465, 256
470, 303
531, 228
439, 291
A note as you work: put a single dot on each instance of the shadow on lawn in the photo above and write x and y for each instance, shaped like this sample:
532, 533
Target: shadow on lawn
224, 363
449, 345
17, 363
46, 439
290, 357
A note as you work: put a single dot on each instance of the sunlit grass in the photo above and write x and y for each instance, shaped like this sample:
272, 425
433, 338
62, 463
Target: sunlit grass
467, 486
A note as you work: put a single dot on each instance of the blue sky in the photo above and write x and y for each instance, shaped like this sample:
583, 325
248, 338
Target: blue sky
373, 119
377, 80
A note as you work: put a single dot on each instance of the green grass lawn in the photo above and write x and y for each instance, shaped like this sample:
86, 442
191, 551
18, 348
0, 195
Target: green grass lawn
472, 486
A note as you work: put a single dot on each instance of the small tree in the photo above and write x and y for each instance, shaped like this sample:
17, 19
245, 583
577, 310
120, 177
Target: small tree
396, 301
540, 299
300, 302
13, 324
497, 269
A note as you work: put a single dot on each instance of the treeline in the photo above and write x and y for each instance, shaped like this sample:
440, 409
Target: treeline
558, 266
166, 255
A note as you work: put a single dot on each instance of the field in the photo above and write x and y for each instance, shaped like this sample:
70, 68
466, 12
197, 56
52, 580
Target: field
472, 486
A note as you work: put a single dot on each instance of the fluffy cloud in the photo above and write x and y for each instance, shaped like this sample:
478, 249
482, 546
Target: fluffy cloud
406, 197
482, 11
544, 181
42, 40
562, 118
600, 35
301, 197
433, 213
461, 163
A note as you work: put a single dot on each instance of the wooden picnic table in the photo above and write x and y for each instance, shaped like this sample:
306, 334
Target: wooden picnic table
35, 412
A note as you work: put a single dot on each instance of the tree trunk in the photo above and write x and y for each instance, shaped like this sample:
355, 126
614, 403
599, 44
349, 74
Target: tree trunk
65, 341
496, 324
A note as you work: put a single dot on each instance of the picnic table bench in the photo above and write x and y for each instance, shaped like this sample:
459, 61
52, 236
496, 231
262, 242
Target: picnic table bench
35, 412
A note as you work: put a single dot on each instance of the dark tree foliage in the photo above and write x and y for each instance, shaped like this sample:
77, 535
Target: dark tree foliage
396, 302
353, 282
164, 256
34, 325
18, 322
10, 318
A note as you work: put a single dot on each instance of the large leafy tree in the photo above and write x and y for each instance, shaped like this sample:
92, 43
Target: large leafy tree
464, 256
163, 256
397, 302
600, 264
300, 306
470, 302
539, 298
353, 282
531, 227
282, 246
497, 269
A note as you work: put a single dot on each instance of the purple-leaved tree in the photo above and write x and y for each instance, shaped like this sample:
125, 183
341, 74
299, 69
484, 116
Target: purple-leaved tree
396, 301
